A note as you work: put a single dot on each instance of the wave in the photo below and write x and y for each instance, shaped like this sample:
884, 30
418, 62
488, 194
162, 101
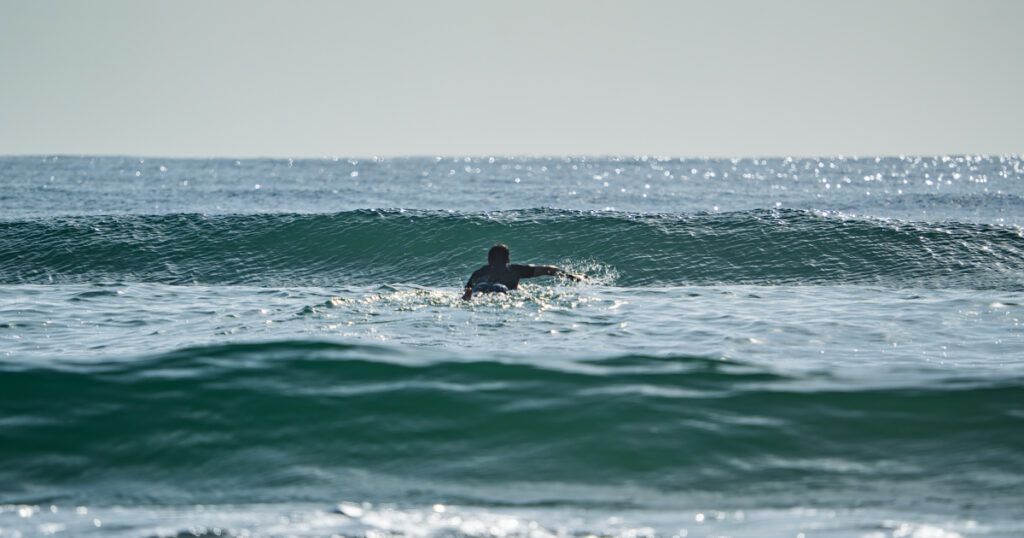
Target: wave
441, 248
308, 413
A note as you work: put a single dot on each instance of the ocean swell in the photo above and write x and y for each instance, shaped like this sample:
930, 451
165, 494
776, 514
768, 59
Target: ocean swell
266, 416
439, 248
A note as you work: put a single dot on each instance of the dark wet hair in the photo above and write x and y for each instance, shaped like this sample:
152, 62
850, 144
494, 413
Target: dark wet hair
498, 255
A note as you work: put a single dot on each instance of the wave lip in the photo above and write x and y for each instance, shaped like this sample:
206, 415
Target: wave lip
438, 248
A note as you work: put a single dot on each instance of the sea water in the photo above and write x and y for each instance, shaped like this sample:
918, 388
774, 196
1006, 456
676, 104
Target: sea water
276, 347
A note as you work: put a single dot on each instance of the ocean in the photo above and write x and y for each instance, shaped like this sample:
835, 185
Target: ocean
783, 346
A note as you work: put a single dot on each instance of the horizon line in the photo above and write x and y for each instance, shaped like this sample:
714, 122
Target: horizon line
513, 156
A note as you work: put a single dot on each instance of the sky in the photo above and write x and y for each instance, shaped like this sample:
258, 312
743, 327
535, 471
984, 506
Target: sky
353, 79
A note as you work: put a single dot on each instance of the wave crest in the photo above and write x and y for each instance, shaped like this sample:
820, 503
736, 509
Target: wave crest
440, 248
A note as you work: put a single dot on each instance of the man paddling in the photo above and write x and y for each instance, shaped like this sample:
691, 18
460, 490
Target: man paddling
500, 276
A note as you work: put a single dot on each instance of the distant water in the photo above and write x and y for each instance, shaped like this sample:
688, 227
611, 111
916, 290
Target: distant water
766, 347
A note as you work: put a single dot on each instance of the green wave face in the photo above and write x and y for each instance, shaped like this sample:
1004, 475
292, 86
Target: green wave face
329, 418
437, 248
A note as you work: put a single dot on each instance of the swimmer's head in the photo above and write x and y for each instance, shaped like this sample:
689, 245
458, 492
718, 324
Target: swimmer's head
498, 255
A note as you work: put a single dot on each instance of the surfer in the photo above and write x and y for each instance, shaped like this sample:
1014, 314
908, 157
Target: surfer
500, 275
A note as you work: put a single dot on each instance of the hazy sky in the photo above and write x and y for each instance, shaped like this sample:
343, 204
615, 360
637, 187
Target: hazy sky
319, 78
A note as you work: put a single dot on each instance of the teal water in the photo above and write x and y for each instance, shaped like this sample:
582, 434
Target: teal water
766, 347
778, 246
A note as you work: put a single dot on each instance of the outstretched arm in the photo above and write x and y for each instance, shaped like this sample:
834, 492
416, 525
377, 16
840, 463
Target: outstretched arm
543, 270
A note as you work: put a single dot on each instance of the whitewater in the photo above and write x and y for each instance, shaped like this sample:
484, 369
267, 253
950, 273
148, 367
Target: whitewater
276, 347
